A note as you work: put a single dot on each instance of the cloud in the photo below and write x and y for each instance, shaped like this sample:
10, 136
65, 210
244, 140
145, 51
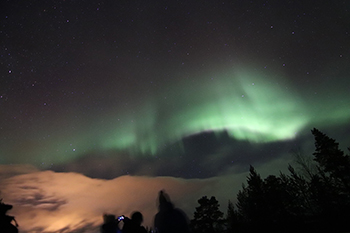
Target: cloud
51, 201
201, 156
47, 201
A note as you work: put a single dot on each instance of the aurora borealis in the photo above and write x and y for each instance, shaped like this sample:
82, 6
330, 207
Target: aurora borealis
173, 93
248, 105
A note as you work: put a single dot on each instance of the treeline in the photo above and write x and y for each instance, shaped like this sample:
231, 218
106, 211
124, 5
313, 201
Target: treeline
313, 198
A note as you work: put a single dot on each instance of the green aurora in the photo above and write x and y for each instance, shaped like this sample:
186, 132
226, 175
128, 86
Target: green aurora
247, 105
248, 108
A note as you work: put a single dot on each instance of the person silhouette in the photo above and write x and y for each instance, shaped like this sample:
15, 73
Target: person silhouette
110, 224
133, 225
6, 220
170, 219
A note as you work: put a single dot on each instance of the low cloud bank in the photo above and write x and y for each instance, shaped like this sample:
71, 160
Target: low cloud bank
46, 201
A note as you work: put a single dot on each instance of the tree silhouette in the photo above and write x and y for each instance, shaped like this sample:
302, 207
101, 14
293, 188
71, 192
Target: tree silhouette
330, 187
232, 219
312, 200
207, 217
264, 204
332, 161
250, 201
297, 186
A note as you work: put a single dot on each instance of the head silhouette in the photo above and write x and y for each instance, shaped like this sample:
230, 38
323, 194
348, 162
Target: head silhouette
164, 203
169, 219
137, 218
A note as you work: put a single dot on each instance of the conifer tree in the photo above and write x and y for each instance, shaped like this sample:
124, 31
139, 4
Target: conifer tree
332, 161
250, 202
207, 217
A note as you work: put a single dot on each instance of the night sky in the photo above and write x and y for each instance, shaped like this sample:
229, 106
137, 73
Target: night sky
137, 96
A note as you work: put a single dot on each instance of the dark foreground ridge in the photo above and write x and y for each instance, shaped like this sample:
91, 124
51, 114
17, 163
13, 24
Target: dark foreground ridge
312, 198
